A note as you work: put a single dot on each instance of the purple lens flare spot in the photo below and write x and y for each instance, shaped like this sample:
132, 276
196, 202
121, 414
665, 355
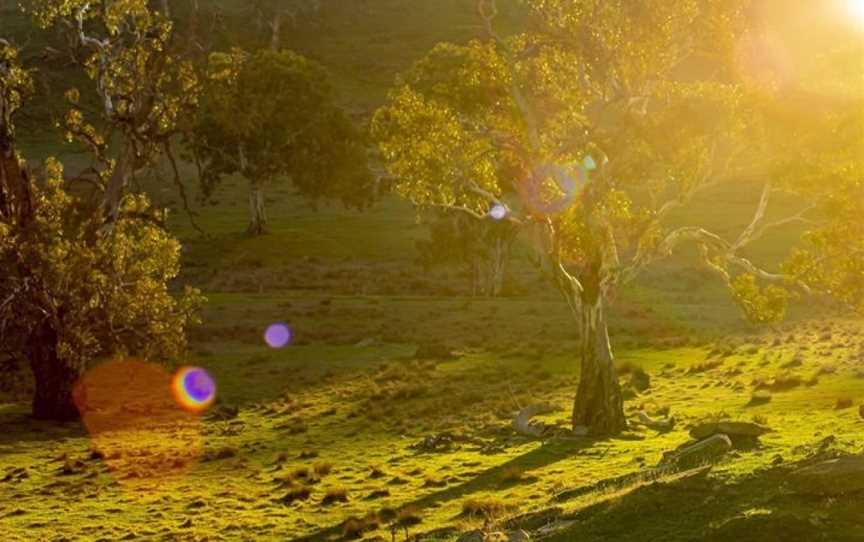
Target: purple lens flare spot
278, 335
199, 385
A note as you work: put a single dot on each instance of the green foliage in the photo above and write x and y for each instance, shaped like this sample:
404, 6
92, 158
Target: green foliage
110, 15
103, 295
72, 291
145, 88
437, 133
506, 120
760, 305
825, 165
512, 119
650, 92
16, 84
271, 114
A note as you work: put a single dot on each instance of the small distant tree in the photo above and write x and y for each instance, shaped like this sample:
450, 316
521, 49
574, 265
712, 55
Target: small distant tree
69, 293
481, 247
271, 115
274, 15
609, 86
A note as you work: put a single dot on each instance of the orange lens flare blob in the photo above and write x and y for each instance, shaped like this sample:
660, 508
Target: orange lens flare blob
135, 424
193, 389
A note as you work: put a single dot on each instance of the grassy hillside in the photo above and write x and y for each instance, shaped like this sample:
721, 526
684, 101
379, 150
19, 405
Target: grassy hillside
396, 396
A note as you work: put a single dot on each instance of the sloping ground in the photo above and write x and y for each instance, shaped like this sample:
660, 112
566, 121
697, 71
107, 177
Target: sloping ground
776, 503
335, 415
323, 434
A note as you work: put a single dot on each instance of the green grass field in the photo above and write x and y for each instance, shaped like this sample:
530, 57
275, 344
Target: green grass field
318, 441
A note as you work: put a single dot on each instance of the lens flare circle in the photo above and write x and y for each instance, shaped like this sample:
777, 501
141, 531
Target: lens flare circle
278, 335
498, 212
193, 389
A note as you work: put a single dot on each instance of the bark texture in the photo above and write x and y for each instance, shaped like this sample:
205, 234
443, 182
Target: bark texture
598, 406
257, 212
55, 380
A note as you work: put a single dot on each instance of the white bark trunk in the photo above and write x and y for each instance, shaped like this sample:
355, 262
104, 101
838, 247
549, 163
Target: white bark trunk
257, 211
598, 405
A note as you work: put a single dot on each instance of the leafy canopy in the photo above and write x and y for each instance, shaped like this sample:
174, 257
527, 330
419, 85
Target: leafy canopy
596, 126
145, 87
271, 114
101, 294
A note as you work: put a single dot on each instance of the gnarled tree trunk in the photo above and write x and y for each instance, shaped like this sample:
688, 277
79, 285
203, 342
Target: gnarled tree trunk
54, 379
598, 405
257, 212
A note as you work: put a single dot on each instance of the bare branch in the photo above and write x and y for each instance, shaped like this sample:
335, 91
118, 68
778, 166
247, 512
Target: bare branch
178, 182
798, 218
747, 235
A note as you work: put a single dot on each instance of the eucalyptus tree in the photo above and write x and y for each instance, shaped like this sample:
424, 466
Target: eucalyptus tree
270, 115
144, 87
69, 293
481, 247
594, 128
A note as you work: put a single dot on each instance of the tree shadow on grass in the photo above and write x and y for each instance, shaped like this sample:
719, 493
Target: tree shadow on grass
18, 426
544, 455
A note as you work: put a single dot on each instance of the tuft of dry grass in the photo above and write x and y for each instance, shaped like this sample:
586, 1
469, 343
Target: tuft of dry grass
827, 369
844, 402
300, 473
782, 381
296, 493
433, 481
408, 516
760, 397
512, 474
486, 508
334, 495
322, 469
355, 527
705, 366
225, 452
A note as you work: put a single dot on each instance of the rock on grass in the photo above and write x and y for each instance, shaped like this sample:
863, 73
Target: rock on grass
834, 477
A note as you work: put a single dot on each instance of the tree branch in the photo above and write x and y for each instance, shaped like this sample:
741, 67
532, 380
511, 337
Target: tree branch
178, 182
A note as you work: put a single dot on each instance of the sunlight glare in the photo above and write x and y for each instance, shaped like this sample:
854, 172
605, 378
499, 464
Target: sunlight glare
856, 10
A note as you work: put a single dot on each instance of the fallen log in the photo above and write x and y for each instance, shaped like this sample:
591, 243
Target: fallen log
523, 425
663, 425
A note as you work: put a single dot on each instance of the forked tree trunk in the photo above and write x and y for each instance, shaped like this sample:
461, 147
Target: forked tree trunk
598, 405
54, 379
257, 212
